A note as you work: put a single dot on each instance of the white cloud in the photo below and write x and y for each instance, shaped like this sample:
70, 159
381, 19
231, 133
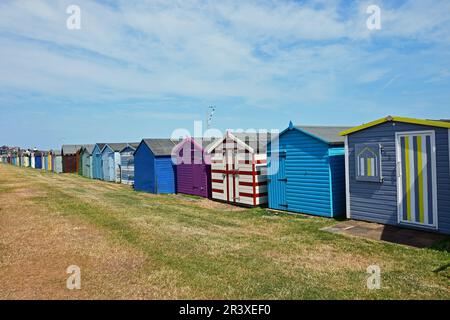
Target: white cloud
266, 53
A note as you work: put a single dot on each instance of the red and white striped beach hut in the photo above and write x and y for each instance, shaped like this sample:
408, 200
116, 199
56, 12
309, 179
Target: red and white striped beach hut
238, 168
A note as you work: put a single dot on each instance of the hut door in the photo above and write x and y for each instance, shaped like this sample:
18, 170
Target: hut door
197, 174
111, 171
231, 163
277, 181
416, 178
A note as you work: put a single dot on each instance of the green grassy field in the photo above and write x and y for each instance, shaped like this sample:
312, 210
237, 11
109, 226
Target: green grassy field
137, 245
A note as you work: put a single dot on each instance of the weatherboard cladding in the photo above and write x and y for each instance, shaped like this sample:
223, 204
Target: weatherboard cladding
57, 161
154, 170
97, 170
32, 159
108, 170
38, 160
26, 160
70, 158
111, 161
127, 163
238, 163
307, 172
44, 161
50, 161
80, 159
86, 160
193, 169
377, 202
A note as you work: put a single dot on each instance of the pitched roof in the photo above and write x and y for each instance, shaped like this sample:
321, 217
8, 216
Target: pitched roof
161, 147
116, 147
100, 146
432, 123
201, 142
132, 145
329, 134
89, 148
71, 148
257, 141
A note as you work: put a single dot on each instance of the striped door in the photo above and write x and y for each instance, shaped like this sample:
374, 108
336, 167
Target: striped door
416, 183
232, 176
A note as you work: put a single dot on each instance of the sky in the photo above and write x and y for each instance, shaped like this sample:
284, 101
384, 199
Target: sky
141, 69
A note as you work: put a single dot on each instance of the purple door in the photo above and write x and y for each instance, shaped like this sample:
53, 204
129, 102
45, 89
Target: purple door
197, 179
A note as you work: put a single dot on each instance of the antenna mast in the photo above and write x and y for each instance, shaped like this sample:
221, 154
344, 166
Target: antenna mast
209, 118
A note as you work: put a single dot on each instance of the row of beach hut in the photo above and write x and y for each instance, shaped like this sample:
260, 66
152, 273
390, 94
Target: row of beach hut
45, 160
394, 170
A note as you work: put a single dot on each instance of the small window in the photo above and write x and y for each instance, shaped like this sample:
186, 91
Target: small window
368, 162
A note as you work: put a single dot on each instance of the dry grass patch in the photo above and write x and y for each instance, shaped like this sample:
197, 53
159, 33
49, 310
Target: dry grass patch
136, 245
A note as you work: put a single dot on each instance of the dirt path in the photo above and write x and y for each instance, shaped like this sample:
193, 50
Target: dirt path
132, 245
37, 246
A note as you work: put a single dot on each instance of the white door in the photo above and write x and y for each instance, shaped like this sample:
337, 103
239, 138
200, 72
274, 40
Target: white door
416, 178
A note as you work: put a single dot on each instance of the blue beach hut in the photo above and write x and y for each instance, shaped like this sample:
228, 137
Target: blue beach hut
127, 163
97, 167
111, 161
306, 172
45, 160
38, 160
397, 173
154, 171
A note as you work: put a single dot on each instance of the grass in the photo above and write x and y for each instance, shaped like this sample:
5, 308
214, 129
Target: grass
186, 247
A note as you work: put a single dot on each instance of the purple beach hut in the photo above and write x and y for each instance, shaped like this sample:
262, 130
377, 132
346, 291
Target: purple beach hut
193, 167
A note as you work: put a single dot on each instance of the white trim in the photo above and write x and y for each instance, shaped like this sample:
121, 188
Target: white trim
434, 176
380, 162
431, 133
233, 137
347, 180
425, 180
362, 167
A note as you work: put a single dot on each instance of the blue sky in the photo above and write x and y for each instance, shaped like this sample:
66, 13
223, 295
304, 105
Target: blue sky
144, 68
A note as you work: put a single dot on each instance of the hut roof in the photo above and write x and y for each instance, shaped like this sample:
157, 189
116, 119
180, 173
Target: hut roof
71, 148
89, 148
329, 134
257, 141
432, 123
116, 147
161, 147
